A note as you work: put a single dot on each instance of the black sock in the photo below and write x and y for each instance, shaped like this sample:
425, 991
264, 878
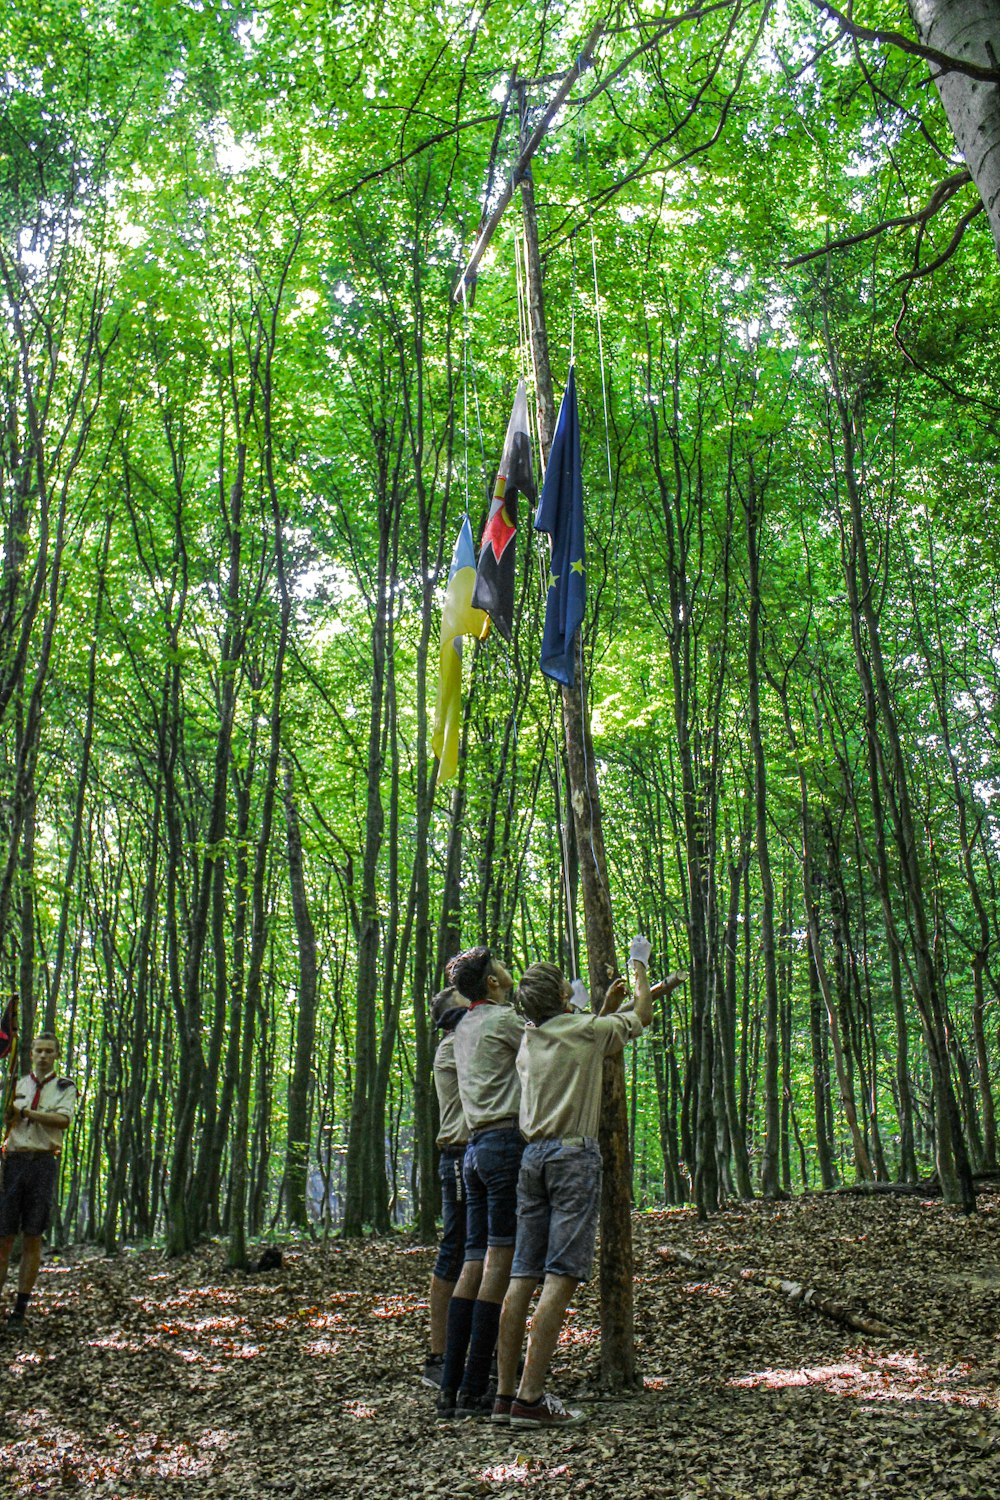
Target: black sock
482, 1342
460, 1311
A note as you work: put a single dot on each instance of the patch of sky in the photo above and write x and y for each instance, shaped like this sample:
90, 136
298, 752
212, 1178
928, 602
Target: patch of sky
251, 31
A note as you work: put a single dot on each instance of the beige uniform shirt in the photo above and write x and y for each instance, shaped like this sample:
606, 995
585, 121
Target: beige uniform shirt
57, 1095
560, 1064
454, 1131
486, 1043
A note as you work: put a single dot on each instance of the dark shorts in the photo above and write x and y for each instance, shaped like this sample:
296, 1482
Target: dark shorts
492, 1162
452, 1249
29, 1193
558, 1208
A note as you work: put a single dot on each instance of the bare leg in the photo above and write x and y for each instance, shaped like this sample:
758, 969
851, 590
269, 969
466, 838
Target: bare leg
469, 1279
512, 1321
31, 1259
543, 1335
6, 1246
496, 1273
440, 1296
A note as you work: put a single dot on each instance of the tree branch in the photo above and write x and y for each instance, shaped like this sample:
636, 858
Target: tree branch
945, 190
904, 44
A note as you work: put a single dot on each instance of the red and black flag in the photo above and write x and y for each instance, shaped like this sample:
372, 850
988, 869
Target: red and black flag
494, 590
8, 1027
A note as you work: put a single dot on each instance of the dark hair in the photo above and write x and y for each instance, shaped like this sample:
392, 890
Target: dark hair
45, 1036
444, 1000
540, 993
469, 971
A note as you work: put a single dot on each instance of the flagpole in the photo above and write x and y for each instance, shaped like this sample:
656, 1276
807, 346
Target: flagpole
618, 1369
528, 148
10, 1083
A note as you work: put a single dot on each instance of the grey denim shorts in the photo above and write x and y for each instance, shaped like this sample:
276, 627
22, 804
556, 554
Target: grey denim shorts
558, 1207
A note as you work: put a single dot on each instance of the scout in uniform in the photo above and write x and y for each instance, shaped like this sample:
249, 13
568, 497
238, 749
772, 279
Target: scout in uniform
560, 1065
447, 1009
486, 1046
36, 1122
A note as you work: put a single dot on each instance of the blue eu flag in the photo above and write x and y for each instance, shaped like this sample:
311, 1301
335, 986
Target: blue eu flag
560, 513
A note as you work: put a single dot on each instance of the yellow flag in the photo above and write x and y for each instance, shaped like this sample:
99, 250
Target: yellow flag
458, 618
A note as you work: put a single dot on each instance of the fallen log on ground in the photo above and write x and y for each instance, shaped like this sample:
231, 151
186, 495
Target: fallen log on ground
797, 1294
807, 1296
926, 1187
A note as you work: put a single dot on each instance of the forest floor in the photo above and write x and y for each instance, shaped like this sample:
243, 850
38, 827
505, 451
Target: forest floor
142, 1377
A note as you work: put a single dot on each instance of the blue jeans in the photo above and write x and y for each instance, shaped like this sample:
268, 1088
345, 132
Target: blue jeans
492, 1162
558, 1208
451, 1251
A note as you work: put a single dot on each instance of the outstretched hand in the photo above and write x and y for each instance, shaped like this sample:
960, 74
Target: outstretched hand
616, 993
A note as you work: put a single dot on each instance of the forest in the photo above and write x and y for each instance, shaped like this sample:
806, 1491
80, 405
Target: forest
244, 408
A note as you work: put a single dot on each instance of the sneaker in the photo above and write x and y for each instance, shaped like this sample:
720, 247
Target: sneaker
501, 1410
547, 1411
473, 1408
445, 1405
433, 1370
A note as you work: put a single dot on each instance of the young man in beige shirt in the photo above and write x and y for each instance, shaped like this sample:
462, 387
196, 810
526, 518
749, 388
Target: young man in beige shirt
486, 1045
560, 1065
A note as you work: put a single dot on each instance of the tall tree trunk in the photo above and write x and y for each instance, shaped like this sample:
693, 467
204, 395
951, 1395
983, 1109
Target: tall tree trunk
297, 1150
970, 31
770, 1184
951, 1155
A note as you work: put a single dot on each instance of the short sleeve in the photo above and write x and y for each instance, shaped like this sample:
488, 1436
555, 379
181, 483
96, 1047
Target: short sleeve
513, 1029
614, 1031
65, 1101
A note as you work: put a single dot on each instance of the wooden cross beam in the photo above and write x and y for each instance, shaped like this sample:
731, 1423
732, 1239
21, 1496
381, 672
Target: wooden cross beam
532, 144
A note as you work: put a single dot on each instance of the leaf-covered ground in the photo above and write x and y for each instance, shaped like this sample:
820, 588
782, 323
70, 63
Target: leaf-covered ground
141, 1377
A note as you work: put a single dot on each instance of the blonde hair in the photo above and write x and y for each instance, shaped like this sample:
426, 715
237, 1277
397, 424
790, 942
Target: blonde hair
540, 992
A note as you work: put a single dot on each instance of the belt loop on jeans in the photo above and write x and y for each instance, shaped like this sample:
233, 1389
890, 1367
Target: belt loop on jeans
509, 1122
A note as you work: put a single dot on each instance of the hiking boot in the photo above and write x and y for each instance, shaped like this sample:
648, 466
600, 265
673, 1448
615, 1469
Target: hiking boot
445, 1405
547, 1411
470, 1408
432, 1371
501, 1410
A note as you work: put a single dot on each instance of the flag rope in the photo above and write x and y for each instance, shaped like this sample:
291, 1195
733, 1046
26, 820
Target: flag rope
469, 366
611, 482
465, 392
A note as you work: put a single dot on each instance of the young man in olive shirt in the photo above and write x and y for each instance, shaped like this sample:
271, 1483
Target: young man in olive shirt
560, 1065
486, 1045
447, 1009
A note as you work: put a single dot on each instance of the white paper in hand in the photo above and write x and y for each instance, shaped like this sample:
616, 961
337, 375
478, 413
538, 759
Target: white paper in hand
578, 998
